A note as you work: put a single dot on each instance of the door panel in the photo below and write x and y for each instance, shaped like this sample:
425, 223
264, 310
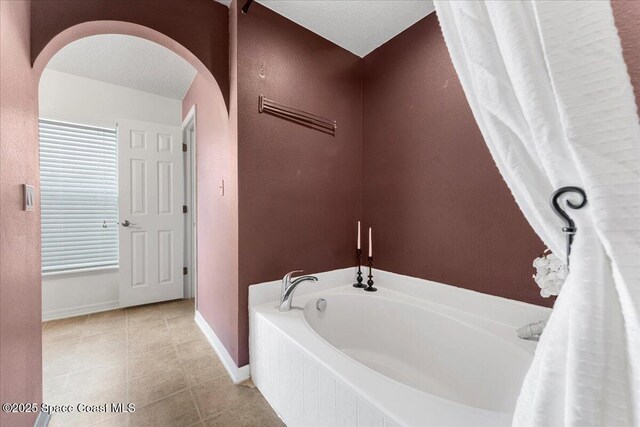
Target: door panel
165, 256
139, 258
165, 189
138, 187
151, 185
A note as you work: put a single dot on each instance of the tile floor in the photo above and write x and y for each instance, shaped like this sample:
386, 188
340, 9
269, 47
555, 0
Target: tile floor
154, 356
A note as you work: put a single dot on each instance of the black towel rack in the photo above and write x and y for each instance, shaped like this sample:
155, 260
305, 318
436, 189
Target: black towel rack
247, 5
297, 116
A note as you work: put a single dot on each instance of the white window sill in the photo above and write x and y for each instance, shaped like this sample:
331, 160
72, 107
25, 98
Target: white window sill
81, 271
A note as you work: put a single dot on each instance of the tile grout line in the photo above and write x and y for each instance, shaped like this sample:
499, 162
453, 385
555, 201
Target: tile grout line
186, 375
193, 399
187, 388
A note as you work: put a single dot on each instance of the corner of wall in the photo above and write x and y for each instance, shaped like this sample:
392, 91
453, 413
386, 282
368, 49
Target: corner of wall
20, 289
233, 121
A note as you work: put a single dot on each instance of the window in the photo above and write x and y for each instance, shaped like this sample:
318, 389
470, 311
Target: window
79, 196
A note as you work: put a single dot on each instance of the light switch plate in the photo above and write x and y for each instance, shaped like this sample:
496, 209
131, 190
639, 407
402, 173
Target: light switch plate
28, 197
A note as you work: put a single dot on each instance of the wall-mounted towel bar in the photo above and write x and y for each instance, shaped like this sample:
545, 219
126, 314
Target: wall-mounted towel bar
297, 116
247, 5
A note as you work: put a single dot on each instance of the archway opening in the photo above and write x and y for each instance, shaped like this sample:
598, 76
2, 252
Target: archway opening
111, 156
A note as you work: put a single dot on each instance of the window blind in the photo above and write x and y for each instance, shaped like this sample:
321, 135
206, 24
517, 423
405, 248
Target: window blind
78, 196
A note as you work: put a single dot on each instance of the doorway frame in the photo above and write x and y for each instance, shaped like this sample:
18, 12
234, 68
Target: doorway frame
92, 28
189, 138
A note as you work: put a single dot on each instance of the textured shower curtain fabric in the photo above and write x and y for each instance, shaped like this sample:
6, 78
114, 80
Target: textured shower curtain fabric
549, 89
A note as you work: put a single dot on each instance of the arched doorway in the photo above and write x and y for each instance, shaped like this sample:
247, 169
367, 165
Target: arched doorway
214, 163
217, 153
111, 109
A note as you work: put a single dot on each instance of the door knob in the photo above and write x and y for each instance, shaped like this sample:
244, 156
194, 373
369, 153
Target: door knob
126, 223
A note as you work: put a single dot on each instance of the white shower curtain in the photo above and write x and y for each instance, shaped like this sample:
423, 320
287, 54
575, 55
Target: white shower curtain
549, 89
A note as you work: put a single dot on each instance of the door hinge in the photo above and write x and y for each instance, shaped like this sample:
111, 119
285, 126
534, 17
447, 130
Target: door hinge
185, 209
185, 270
184, 147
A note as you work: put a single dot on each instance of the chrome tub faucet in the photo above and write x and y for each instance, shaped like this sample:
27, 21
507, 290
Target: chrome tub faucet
289, 286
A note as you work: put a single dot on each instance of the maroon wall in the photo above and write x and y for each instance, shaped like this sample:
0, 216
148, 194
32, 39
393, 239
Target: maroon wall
438, 205
20, 290
433, 195
201, 26
299, 189
627, 16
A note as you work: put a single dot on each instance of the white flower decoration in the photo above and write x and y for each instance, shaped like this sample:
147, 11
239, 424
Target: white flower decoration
550, 274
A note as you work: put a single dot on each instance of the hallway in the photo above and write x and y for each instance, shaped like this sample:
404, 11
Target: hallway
154, 356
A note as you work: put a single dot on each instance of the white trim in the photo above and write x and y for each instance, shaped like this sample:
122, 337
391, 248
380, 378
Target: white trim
80, 270
191, 115
237, 375
190, 121
42, 420
80, 310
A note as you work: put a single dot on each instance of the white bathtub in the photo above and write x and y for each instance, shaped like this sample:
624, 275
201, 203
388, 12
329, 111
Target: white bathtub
413, 353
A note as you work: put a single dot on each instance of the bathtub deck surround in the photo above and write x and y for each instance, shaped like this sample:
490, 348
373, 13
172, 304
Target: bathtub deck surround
320, 367
269, 292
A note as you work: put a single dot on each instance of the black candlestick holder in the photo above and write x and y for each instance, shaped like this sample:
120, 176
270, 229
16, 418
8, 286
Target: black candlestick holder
370, 287
359, 283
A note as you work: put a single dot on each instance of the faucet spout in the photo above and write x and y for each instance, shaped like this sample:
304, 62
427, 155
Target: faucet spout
301, 279
289, 286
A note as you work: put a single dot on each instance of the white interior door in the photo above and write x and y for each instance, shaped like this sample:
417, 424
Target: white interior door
150, 182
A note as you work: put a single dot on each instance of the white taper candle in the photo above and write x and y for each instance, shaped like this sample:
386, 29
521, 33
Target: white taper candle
370, 244
358, 234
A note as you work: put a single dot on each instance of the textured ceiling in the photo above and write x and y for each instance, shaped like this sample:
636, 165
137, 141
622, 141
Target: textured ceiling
126, 61
359, 26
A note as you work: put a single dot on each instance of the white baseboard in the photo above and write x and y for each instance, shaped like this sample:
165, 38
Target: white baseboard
42, 420
237, 375
80, 310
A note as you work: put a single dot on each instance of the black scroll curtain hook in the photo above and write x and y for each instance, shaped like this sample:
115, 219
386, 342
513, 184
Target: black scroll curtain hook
570, 227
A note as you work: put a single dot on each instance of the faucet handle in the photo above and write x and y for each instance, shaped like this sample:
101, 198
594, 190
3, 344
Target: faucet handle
287, 277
